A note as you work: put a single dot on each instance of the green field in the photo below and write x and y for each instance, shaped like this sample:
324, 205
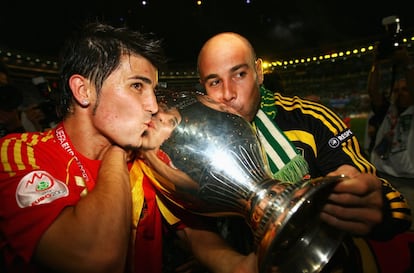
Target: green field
358, 126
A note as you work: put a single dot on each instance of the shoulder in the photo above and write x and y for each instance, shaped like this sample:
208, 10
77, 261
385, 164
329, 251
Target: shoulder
24, 148
298, 103
28, 139
309, 110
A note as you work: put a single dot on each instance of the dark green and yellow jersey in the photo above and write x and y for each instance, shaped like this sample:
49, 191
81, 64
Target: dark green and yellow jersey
327, 143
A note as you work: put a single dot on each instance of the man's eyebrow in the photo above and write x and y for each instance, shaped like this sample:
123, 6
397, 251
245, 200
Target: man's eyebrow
210, 76
237, 67
142, 78
234, 68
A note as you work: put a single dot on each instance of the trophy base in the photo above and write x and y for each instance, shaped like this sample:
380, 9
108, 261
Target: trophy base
298, 241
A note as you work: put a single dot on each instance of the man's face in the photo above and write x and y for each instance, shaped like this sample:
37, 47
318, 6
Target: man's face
404, 97
230, 76
126, 102
162, 125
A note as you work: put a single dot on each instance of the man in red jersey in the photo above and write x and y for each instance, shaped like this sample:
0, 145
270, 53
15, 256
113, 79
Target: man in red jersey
65, 194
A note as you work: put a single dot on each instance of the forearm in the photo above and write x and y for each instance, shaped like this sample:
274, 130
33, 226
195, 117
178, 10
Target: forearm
112, 204
93, 236
213, 252
373, 86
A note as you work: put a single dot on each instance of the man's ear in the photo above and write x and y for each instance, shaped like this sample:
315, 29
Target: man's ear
80, 89
259, 70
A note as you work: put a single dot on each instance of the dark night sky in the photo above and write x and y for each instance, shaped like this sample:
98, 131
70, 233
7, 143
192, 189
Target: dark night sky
276, 28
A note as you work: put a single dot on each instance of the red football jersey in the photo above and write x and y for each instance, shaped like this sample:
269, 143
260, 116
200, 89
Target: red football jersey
40, 175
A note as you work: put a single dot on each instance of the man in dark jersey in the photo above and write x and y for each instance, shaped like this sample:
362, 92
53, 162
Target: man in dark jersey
364, 204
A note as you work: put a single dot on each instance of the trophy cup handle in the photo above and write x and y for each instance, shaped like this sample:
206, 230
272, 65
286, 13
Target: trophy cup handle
297, 240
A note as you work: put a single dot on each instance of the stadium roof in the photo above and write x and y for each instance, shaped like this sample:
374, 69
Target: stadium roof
277, 29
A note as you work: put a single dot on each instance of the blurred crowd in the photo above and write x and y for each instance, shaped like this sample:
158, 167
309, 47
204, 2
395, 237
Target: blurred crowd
22, 113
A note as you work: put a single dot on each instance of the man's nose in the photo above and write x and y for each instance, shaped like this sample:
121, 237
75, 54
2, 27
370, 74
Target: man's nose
229, 93
151, 105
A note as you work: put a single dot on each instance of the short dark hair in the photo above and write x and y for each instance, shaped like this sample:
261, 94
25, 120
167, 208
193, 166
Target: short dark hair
95, 52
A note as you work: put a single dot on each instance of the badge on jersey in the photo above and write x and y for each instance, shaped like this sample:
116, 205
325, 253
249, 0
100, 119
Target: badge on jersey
335, 141
39, 187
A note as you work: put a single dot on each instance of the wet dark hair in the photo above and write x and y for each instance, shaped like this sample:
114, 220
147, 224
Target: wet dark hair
95, 52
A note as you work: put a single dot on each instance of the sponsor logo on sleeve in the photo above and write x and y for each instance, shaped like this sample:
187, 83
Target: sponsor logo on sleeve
335, 141
39, 187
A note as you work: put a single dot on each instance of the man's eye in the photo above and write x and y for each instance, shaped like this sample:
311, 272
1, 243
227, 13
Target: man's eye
241, 74
173, 122
214, 83
137, 85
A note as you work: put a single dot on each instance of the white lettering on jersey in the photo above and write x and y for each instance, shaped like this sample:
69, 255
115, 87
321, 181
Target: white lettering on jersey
342, 137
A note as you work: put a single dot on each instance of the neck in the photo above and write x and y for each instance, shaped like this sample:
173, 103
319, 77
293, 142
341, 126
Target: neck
85, 138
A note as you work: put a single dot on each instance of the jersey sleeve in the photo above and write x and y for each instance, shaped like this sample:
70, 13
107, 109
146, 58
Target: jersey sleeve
328, 143
341, 143
33, 192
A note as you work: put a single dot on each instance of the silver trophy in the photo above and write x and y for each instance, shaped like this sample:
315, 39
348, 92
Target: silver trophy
219, 169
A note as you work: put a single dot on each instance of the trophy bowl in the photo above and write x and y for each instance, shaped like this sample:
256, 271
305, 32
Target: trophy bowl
220, 169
